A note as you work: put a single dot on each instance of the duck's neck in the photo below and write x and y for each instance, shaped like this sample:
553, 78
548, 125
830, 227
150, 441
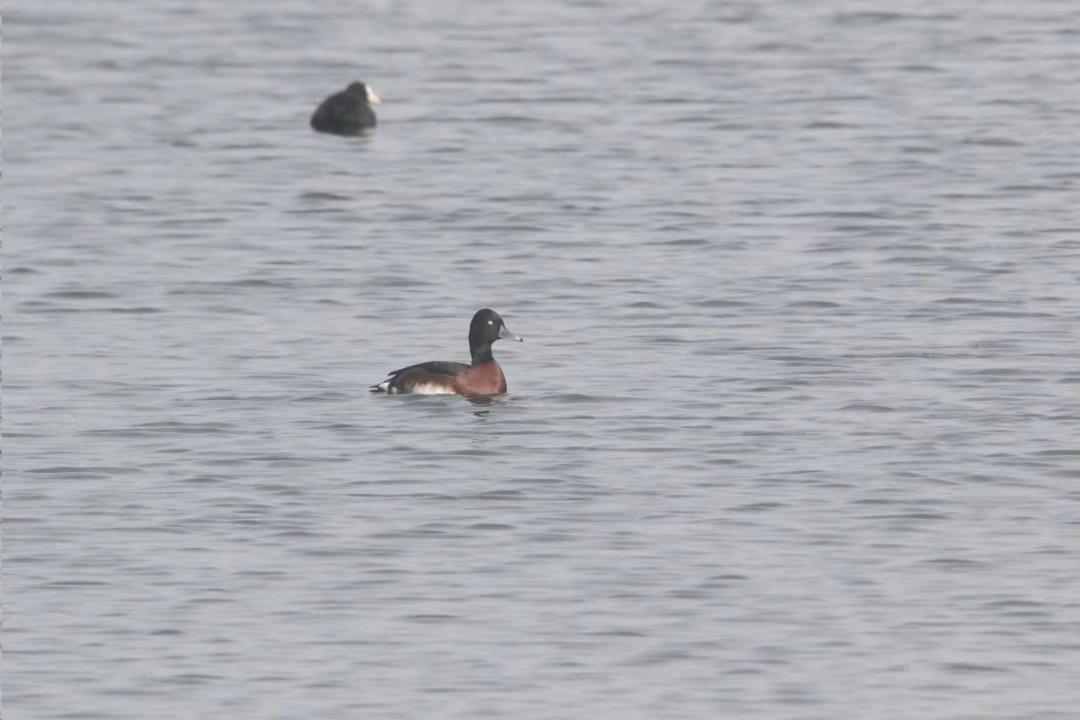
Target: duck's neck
481, 353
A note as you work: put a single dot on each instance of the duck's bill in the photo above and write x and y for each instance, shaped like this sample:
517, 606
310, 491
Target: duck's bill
372, 97
507, 335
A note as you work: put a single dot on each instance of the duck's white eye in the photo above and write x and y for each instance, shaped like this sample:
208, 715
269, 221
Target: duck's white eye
491, 322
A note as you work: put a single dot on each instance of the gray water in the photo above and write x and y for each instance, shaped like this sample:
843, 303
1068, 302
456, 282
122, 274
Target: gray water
793, 432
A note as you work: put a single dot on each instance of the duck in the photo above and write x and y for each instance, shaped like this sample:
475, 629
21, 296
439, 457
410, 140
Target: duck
482, 376
347, 112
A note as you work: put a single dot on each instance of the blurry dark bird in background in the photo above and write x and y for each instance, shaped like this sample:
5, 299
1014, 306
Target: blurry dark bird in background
347, 112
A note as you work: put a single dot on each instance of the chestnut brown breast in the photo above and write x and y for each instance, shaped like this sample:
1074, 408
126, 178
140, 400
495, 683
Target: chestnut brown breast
484, 379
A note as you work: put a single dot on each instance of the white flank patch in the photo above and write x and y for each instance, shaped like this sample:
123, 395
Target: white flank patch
431, 389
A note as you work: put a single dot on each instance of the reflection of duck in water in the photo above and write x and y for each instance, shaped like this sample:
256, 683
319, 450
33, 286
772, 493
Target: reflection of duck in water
482, 377
347, 112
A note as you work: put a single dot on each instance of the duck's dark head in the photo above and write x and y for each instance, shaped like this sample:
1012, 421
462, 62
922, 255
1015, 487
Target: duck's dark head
487, 326
361, 90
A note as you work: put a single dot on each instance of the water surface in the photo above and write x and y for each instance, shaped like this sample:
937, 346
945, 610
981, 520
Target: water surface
793, 432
